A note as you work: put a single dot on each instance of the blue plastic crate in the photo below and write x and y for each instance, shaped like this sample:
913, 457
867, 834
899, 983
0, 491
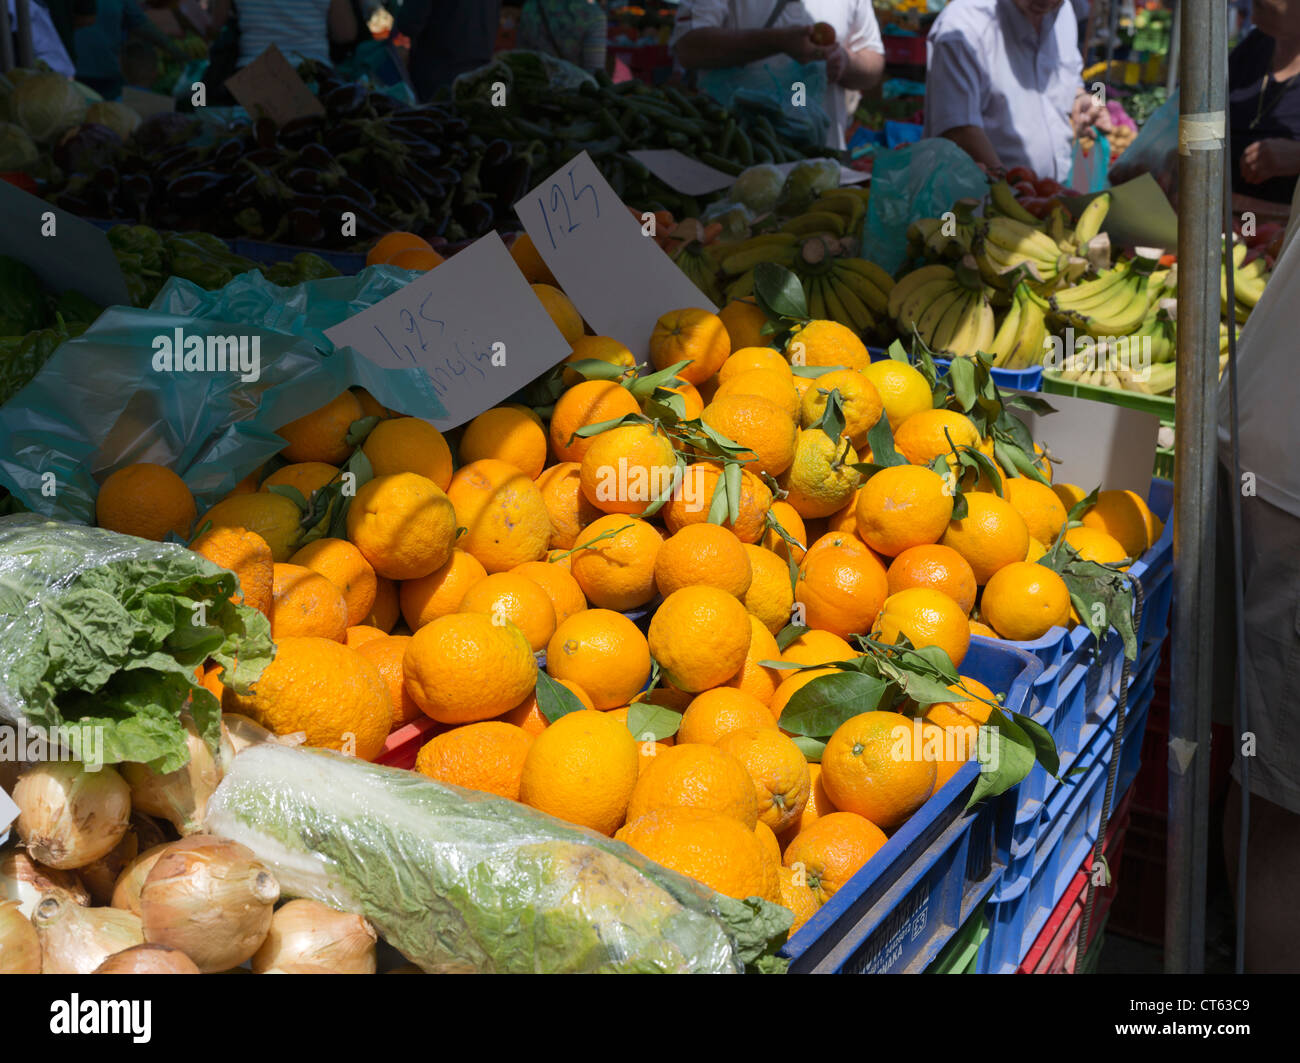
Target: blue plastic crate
1030, 379
898, 912
346, 262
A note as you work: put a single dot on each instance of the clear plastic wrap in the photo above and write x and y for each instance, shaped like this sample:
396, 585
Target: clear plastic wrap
459, 881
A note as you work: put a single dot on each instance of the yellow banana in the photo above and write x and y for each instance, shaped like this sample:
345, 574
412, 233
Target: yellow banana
1004, 202
816, 300
1091, 219
875, 295
907, 285
815, 221
743, 261
916, 304
860, 315
1004, 340
947, 306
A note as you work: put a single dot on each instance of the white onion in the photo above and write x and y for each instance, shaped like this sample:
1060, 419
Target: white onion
210, 898
23, 880
298, 968
180, 796
101, 876
69, 817
126, 890
76, 940
20, 946
308, 932
148, 959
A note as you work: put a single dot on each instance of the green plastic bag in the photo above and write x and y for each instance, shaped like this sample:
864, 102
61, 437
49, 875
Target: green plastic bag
99, 402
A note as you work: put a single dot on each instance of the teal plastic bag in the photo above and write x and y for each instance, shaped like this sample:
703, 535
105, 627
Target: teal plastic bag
767, 86
105, 400
1088, 169
921, 180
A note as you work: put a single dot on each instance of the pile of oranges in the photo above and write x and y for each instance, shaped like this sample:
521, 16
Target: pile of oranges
514, 548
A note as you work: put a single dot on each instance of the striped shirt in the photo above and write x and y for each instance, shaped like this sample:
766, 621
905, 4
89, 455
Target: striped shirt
298, 28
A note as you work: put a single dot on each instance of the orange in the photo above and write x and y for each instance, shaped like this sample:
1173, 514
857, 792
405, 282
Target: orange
464, 668
992, 534
935, 566
832, 851
1126, 518
692, 400
416, 258
530, 263
507, 596
246, 555
528, 714
403, 525
817, 805
832, 539
845, 519
708, 847
768, 840
618, 570
306, 603
966, 709
322, 434
488, 757
798, 897
1038, 505
821, 477
978, 628
386, 610
646, 747
1069, 494
744, 322
408, 444
558, 583
718, 712
759, 425
247, 485
591, 402
792, 524
874, 765
772, 384
841, 590
928, 618
925, 435
582, 769
1023, 601
951, 747
145, 500
746, 359
439, 593
211, 680
1093, 544
503, 511
817, 647
860, 403
794, 682
779, 771
699, 636
694, 336
1036, 550
769, 596
604, 653
342, 564
627, 468
563, 558
690, 503
560, 310
390, 244
566, 505
901, 507
357, 635
319, 687
754, 677
271, 516
691, 775
598, 349
307, 476
369, 405
827, 343
510, 433
387, 653
703, 555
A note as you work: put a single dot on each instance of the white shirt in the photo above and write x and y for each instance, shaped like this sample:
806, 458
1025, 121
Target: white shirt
46, 43
986, 66
855, 29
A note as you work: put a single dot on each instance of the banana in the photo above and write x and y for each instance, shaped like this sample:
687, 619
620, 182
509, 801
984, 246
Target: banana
908, 284
1004, 340
918, 235
1031, 340
868, 282
816, 300
1020, 241
947, 305
1120, 316
741, 287
834, 306
1249, 287
1091, 219
744, 261
845, 204
1091, 293
975, 330
1003, 200
1058, 228
919, 302
815, 221
860, 315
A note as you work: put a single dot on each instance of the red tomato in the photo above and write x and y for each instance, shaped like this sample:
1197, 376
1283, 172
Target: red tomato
1024, 188
1020, 173
1045, 186
1038, 206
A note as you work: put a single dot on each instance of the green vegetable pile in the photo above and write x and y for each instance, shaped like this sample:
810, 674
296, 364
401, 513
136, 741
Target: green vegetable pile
466, 882
101, 633
33, 322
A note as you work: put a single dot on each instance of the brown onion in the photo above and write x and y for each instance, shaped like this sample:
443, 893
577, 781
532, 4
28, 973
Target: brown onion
210, 898
23, 880
20, 946
298, 968
68, 816
101, 876
180, 796
308, 932
76, 940
148, 959
126, 890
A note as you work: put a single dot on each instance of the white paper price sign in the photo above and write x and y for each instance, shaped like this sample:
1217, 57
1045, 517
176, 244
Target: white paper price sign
8, 813
619, 279
472, 324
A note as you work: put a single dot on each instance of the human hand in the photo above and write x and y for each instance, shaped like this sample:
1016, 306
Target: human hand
1088, 112
799, 45
1266, 159
837, 62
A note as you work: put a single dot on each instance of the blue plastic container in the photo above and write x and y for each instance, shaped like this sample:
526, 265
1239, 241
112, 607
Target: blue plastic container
898, 912
1030, 379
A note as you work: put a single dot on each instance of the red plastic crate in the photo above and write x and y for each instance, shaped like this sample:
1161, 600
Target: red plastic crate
1139, 908
1056, 949
904, 51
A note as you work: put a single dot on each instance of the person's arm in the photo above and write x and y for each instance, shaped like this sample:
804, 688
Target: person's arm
860, 63
1266, 159
974, 142
341, 22
712, 46
954, 91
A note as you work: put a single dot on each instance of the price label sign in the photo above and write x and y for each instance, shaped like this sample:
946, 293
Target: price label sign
270, 86
617, 276
8, 813
472, 324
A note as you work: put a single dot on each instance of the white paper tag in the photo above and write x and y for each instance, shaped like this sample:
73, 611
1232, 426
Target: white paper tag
8, 813
691, 177
472, 324
617, 276
271, 86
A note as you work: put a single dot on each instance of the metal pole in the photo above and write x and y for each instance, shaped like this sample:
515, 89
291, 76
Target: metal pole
6, 39
1203, 62
1171, 70
23, 9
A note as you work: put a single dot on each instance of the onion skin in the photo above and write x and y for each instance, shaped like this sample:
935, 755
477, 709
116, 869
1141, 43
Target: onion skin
101, 876
210, 898
298, 968
148, 959
244, 732
181, 796
308, 933
23, 880
71, 817
76, 940
20, 945
126, 891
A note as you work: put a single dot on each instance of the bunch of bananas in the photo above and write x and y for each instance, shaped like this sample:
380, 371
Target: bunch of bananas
1114, 304
946, 307
853, 292
1248, 281
1004, 246
945, 239
1022, 337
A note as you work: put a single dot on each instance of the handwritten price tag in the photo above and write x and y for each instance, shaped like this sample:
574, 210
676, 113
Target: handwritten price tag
472, 324
270, 86
616, 275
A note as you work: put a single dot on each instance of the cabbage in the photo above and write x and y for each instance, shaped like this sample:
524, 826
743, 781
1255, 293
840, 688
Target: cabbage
16, 148
735, 218
120, 118
807, 181
758, 188
45, 105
